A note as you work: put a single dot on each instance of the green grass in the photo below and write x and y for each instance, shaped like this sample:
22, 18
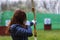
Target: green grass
41, 35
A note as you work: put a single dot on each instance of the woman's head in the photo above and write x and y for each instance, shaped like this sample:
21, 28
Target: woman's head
19, 17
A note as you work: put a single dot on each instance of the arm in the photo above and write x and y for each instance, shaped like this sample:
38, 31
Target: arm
23, 32
31, 23
28, 23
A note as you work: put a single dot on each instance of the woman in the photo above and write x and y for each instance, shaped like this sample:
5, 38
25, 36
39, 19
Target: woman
19, 29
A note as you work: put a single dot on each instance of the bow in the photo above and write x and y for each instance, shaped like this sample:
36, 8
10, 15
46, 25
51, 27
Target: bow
33, 10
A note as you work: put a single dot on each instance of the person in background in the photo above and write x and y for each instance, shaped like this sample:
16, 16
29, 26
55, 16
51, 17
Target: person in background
19, 27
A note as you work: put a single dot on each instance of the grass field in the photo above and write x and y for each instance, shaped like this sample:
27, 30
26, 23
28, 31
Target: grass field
41, 35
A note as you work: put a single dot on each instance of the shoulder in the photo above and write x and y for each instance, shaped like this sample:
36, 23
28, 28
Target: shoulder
12, 27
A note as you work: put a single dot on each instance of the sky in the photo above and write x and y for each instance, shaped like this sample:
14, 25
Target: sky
24, 0
10, 0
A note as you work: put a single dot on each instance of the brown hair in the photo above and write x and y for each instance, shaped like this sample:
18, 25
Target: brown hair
18, 18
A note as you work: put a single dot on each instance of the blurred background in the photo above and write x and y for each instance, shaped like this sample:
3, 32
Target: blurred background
52, 6
44, 9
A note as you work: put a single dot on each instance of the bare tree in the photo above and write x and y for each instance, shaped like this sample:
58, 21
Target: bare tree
4, 6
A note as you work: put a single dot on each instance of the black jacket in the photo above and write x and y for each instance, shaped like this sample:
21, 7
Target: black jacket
19, 33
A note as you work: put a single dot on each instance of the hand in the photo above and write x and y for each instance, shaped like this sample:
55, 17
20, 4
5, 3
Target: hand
34, 22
